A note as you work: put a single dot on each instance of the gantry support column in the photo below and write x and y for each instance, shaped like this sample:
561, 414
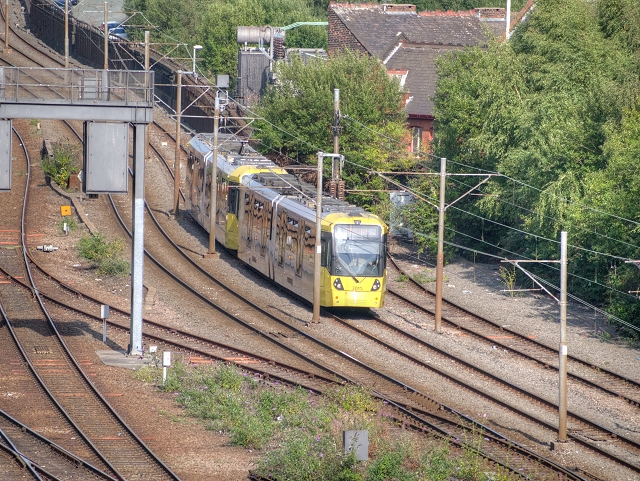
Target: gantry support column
137, 248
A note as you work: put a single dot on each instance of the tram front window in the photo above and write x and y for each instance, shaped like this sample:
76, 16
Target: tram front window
357, 250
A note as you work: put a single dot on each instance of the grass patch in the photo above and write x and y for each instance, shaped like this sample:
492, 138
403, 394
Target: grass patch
71, 222
299, 433
106, 256
423, 277
402, 278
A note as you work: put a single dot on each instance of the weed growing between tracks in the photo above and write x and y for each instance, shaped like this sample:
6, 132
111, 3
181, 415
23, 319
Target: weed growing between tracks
104, 254
63, 163
300, 433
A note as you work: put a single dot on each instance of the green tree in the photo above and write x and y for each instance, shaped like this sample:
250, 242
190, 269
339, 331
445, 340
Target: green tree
555, 109
212, 24
299, 109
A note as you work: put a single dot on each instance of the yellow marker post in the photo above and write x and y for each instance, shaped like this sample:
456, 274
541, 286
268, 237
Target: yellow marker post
65, 210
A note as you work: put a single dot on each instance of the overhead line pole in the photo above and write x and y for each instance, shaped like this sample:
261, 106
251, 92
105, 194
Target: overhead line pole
336, 133
442, 207
176, 165
6, 27
562, 366
317, 271
440, 256
213, 204
106, 36
318, 255
562, 351
66, 33
146, 68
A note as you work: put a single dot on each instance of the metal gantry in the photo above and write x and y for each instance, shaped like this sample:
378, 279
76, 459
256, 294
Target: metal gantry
105, 97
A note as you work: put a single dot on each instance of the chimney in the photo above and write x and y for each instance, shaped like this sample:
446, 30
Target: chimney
398, 8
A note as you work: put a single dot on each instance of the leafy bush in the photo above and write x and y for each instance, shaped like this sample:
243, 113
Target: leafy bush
63, 163
105, 255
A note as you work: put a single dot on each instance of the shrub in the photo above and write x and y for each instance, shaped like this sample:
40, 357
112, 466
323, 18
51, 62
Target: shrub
63, 163
105, 255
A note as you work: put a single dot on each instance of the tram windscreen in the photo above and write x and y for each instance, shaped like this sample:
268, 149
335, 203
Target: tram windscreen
358, 250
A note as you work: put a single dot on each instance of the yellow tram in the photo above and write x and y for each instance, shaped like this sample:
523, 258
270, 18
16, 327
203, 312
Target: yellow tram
268, 218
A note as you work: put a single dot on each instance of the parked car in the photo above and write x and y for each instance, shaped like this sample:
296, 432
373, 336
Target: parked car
116, 31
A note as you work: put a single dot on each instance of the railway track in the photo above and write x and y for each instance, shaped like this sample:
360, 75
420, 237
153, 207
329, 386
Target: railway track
604, 441
197, 349
41, 456
415, 401
494, 334
44, 350
416, 406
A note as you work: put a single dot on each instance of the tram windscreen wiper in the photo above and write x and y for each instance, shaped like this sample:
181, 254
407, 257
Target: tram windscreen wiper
346, 267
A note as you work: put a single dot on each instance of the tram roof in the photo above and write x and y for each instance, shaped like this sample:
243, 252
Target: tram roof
298, 196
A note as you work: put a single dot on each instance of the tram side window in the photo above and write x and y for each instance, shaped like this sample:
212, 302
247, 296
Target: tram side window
233, 198
326, 249
248, 215
300, 248
282, 236
309, 244
265, 229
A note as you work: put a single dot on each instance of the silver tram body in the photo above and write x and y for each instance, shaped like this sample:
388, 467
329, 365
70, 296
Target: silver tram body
268, 218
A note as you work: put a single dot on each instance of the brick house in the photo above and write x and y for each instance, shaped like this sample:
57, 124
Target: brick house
408, 43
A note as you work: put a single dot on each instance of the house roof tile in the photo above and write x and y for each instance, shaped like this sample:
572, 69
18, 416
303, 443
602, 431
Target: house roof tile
405, 40
377, 29
420, 65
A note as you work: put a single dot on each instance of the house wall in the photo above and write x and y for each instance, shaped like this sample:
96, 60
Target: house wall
426, 124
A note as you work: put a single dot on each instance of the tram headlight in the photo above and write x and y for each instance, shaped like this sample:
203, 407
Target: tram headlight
338, 284
376, 285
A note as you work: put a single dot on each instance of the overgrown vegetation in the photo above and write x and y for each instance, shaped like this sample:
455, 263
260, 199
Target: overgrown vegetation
302, 102
212, 24
300, 434
65, 161
556, 110
105, 255
508, 278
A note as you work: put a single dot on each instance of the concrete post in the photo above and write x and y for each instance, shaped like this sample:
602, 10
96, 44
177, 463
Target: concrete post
137, 255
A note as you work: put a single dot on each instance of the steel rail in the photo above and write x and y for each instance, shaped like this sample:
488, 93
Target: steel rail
552, 352
404, 386
70, 356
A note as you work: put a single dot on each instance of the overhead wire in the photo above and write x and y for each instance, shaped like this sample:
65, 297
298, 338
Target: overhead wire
299, 139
